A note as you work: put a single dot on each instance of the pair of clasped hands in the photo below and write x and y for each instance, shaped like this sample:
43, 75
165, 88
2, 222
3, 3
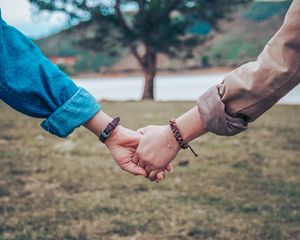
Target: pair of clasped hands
148, 151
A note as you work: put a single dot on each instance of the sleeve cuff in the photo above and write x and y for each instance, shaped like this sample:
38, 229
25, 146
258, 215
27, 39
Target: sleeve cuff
214, 117
81, 107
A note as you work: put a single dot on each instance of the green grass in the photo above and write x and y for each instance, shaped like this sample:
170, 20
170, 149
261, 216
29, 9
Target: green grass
243, 187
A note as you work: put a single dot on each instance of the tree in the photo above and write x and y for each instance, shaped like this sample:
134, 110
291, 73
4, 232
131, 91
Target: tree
146, 27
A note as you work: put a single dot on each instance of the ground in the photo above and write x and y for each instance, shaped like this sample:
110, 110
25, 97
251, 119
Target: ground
244, 187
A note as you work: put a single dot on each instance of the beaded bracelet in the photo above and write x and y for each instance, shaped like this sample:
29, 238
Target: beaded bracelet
183, 144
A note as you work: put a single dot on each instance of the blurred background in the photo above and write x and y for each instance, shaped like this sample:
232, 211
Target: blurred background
246, 187
192, 51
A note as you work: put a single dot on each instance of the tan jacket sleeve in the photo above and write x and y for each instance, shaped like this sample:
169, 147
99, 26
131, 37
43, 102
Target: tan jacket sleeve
247, 92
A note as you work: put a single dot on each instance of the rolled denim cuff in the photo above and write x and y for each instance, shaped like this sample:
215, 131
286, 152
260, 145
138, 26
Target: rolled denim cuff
214, 117
81, 107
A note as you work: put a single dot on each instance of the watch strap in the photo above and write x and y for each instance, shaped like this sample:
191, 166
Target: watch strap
106, 132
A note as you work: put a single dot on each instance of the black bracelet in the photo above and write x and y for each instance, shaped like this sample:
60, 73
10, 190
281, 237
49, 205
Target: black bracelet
109, 129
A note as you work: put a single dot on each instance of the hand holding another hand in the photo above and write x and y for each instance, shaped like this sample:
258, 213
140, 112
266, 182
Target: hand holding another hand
147, 152
123, 144
156, 150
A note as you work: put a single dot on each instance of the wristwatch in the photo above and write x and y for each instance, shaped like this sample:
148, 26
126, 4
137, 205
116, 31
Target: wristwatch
106, 132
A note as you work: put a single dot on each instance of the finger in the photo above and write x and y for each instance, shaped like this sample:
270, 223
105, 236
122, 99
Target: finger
169, 167
137, 138
136, 158
158, 180
148, 168
160, 176
143, 164
152, 175
134, 169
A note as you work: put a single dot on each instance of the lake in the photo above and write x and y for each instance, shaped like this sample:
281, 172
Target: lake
167, 88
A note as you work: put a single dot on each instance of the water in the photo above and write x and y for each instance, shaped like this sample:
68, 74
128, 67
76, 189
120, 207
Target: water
167, 88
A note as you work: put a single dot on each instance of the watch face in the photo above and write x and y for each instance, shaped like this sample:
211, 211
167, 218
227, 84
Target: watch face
105, 134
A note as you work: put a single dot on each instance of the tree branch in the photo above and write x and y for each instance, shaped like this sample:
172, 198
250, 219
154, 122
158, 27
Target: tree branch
135, 52
122, 20
126, 28
141, 5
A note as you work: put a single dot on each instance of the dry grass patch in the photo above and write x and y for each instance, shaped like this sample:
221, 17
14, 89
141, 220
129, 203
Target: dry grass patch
246, 187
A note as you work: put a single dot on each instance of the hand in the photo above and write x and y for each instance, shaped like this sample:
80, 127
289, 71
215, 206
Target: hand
123, 144
157, 148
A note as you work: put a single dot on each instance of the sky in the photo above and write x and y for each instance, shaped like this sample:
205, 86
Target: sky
18, 13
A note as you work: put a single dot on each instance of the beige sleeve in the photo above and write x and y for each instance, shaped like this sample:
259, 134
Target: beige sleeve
249, 91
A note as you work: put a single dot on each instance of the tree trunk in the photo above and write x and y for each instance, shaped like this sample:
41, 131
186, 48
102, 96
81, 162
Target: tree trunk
149, 68
149, 84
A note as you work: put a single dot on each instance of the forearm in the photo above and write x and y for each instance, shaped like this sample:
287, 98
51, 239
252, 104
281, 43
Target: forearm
31, 84
255, 87
190, 124
249, 91
158, 146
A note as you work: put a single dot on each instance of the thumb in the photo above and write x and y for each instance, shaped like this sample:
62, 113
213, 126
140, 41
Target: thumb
134, 169
133, 138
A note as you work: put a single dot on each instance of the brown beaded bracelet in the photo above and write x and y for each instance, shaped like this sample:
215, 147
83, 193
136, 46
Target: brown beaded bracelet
183, 144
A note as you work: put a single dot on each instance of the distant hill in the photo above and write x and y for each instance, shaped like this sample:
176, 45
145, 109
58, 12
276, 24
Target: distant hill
240, 41
67, 44
244, 38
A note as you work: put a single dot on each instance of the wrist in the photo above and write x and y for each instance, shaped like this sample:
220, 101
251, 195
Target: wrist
171, 140
98, 122
190, 125
115, 135
179, 138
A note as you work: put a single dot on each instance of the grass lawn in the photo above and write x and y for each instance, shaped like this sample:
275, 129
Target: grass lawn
244, 187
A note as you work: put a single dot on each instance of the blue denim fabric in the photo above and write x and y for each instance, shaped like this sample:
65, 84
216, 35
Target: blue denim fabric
31, 84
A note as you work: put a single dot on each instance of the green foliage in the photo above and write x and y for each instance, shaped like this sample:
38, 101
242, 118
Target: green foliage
260, 11
93, 62
200, 28
232, 50
243, 43
58, 47
160, 25
205, 61
66, 69
87, 60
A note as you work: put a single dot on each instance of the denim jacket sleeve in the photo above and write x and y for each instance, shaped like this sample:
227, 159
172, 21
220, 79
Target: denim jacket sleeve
31, 84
